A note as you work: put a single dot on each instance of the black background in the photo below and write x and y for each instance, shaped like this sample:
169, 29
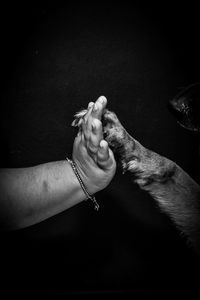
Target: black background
54, 60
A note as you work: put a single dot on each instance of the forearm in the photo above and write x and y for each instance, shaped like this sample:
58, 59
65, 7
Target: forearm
178, 195
30, 195
174, 190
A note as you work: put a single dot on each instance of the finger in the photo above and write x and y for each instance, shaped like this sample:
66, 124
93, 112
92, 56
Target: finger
94, 114
79, 133
96, 136
99, 107
93, 131
103, 153
105, 158
90, 104
79, 143
97, 130
82, 144
89, 110
95, 111
86, 126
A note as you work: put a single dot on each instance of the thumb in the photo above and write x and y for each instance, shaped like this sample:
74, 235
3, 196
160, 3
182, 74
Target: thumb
105, 157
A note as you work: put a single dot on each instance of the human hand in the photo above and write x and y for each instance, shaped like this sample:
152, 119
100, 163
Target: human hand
93, 157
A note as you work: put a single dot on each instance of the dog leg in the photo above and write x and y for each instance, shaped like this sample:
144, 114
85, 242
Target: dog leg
175, 191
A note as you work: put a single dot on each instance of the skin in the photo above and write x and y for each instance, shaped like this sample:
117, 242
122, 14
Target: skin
31, 195
95, 160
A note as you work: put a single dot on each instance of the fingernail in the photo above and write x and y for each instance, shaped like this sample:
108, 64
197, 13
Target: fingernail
90, 104
95, 107
102, 99
102, 144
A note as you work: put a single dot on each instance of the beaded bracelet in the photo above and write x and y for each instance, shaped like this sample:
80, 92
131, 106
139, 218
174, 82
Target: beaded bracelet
88, 196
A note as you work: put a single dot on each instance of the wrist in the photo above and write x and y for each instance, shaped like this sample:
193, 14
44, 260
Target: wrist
79, 178
75, 188
159, 170
88, 179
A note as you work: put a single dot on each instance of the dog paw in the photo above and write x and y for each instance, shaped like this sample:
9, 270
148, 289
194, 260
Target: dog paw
113, 131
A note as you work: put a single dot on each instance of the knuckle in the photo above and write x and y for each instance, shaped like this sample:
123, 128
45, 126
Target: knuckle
93, 145
92, 149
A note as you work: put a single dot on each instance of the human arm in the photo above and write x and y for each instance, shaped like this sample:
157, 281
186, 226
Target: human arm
31, 195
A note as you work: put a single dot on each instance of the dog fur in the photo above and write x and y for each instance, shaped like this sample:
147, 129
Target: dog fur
176, 193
